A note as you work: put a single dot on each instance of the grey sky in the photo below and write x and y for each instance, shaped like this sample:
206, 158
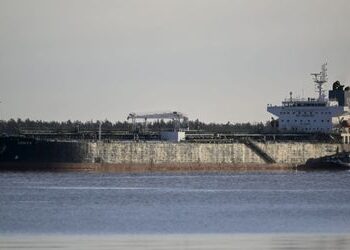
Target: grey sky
215, 60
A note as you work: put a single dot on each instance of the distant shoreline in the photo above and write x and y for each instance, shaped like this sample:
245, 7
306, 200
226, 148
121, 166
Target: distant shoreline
139, 168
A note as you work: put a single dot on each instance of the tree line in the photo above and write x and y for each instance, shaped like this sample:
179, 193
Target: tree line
16, 127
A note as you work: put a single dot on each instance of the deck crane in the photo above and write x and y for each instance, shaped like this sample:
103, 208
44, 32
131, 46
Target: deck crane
175, 116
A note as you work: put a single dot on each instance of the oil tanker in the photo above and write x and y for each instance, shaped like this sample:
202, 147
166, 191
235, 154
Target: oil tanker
305, 128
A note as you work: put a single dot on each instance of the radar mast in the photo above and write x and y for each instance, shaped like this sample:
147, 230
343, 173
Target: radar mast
320, 79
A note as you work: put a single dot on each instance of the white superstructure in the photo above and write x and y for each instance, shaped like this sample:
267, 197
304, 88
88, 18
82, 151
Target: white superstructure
311, 115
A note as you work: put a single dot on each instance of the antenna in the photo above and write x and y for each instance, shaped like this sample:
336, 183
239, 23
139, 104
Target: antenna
320, 79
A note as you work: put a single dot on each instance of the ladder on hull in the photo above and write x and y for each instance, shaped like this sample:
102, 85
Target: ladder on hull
259, 151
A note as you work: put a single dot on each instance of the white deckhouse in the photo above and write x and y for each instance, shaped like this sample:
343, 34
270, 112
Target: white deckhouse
313, 115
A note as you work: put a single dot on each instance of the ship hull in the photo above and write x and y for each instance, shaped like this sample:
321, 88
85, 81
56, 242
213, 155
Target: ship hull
138, 168
29, 150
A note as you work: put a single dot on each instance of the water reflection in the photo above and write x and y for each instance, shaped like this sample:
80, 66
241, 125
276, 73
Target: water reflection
188, 241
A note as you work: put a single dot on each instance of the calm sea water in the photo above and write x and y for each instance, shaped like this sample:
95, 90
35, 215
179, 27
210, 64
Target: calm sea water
289, 202
303, 203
